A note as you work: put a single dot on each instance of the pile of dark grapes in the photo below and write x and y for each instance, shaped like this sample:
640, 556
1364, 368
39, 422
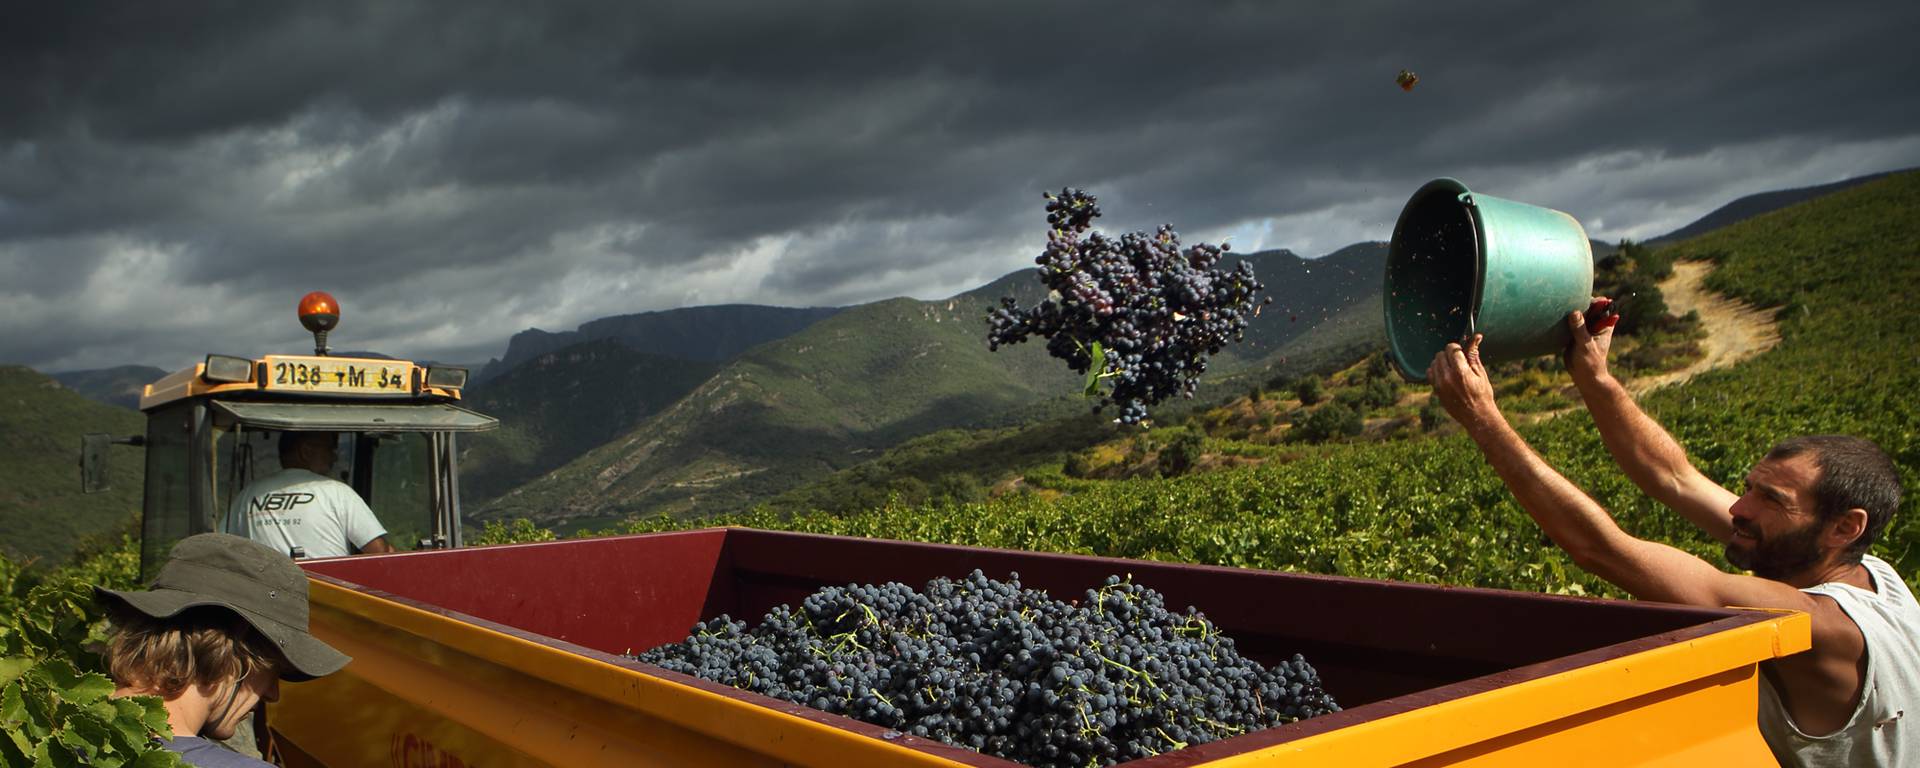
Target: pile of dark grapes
1142, 310
1007, 671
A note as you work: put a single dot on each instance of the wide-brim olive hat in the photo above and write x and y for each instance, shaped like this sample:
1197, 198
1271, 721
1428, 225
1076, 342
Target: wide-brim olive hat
251, 579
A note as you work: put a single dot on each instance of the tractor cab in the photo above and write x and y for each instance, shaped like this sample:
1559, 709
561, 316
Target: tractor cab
214, 428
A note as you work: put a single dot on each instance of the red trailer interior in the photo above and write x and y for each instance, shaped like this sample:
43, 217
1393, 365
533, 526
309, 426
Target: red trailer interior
1381, 647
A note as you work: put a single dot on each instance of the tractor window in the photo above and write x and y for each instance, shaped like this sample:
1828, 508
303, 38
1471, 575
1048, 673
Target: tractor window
388, 470
400, 486
166, 517
241, 456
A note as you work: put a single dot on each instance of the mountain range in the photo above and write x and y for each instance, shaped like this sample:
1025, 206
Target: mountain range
869, 377
709, 333
559, 404
713, 409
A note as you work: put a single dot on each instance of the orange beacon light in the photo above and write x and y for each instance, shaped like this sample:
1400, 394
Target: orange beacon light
319, 313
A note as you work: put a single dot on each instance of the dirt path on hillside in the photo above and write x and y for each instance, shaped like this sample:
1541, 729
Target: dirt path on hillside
1734, 331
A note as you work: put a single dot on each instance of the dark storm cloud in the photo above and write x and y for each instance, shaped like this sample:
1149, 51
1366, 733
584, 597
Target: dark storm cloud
173, 176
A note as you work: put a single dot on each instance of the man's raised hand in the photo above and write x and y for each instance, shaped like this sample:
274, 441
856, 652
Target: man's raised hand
1460, 381
1592, 338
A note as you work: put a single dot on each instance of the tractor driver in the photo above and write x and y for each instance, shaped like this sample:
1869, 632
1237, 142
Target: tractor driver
1810, 510
302, 512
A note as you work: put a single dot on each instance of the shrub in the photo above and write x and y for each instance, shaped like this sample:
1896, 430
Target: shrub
1379, 366
1640, 304
1329, 421
520, 531
1432, 415
1381, 392
1078, 464
1310, 390
1655, 263
1182, 454
960, 487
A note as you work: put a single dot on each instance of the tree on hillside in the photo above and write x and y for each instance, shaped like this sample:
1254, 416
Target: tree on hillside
1309, 389
1182, 454
1327, 422
1078, 464
1370, 395
1380, 392
1652, 262
1379, 366
1641, 305
1631, 277
1432, 415
957, 487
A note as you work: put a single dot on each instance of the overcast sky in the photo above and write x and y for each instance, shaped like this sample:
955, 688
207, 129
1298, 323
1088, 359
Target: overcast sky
174, 176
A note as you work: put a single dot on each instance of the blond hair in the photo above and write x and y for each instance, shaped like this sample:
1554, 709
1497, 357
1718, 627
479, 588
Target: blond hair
202, 647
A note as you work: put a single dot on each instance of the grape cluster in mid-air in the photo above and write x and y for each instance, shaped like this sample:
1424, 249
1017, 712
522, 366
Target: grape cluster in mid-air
1007, 671
1140, 313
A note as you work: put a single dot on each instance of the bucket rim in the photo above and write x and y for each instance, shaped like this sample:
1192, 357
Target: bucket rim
1462, 195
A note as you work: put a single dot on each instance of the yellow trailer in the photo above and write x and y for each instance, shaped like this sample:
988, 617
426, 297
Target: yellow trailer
519, 656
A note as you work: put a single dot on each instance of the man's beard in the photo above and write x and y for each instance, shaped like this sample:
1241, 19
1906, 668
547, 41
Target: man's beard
1779, 557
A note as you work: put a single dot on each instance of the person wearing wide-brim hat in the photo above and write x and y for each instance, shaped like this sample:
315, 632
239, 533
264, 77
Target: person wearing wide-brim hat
214, 634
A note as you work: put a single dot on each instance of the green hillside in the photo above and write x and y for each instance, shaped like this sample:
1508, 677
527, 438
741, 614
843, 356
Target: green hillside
969, 465
844, 390
1754, 205
847, 388
1305, 294
1431, 510
555, 406
801, 407
42, 510
1344, 335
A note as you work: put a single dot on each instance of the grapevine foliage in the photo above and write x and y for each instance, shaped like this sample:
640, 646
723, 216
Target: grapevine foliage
56, 706
1008, 671
1140, 313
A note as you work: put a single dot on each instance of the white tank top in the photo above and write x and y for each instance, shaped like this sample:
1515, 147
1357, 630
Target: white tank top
1884, 729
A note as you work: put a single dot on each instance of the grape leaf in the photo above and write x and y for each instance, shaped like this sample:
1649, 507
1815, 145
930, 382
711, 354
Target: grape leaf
13, 749
128, 719
90, 687
155, 717
158, 758
12, 668
13, 707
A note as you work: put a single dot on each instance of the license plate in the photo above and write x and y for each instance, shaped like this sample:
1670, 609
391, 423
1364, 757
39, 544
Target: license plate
339, 374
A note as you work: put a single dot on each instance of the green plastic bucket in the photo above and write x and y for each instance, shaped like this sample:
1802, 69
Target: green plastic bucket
1462, 263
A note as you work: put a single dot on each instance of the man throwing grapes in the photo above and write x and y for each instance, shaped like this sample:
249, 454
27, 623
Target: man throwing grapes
1807, 515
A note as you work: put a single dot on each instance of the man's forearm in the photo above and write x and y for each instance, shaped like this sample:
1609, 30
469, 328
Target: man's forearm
1650, 456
